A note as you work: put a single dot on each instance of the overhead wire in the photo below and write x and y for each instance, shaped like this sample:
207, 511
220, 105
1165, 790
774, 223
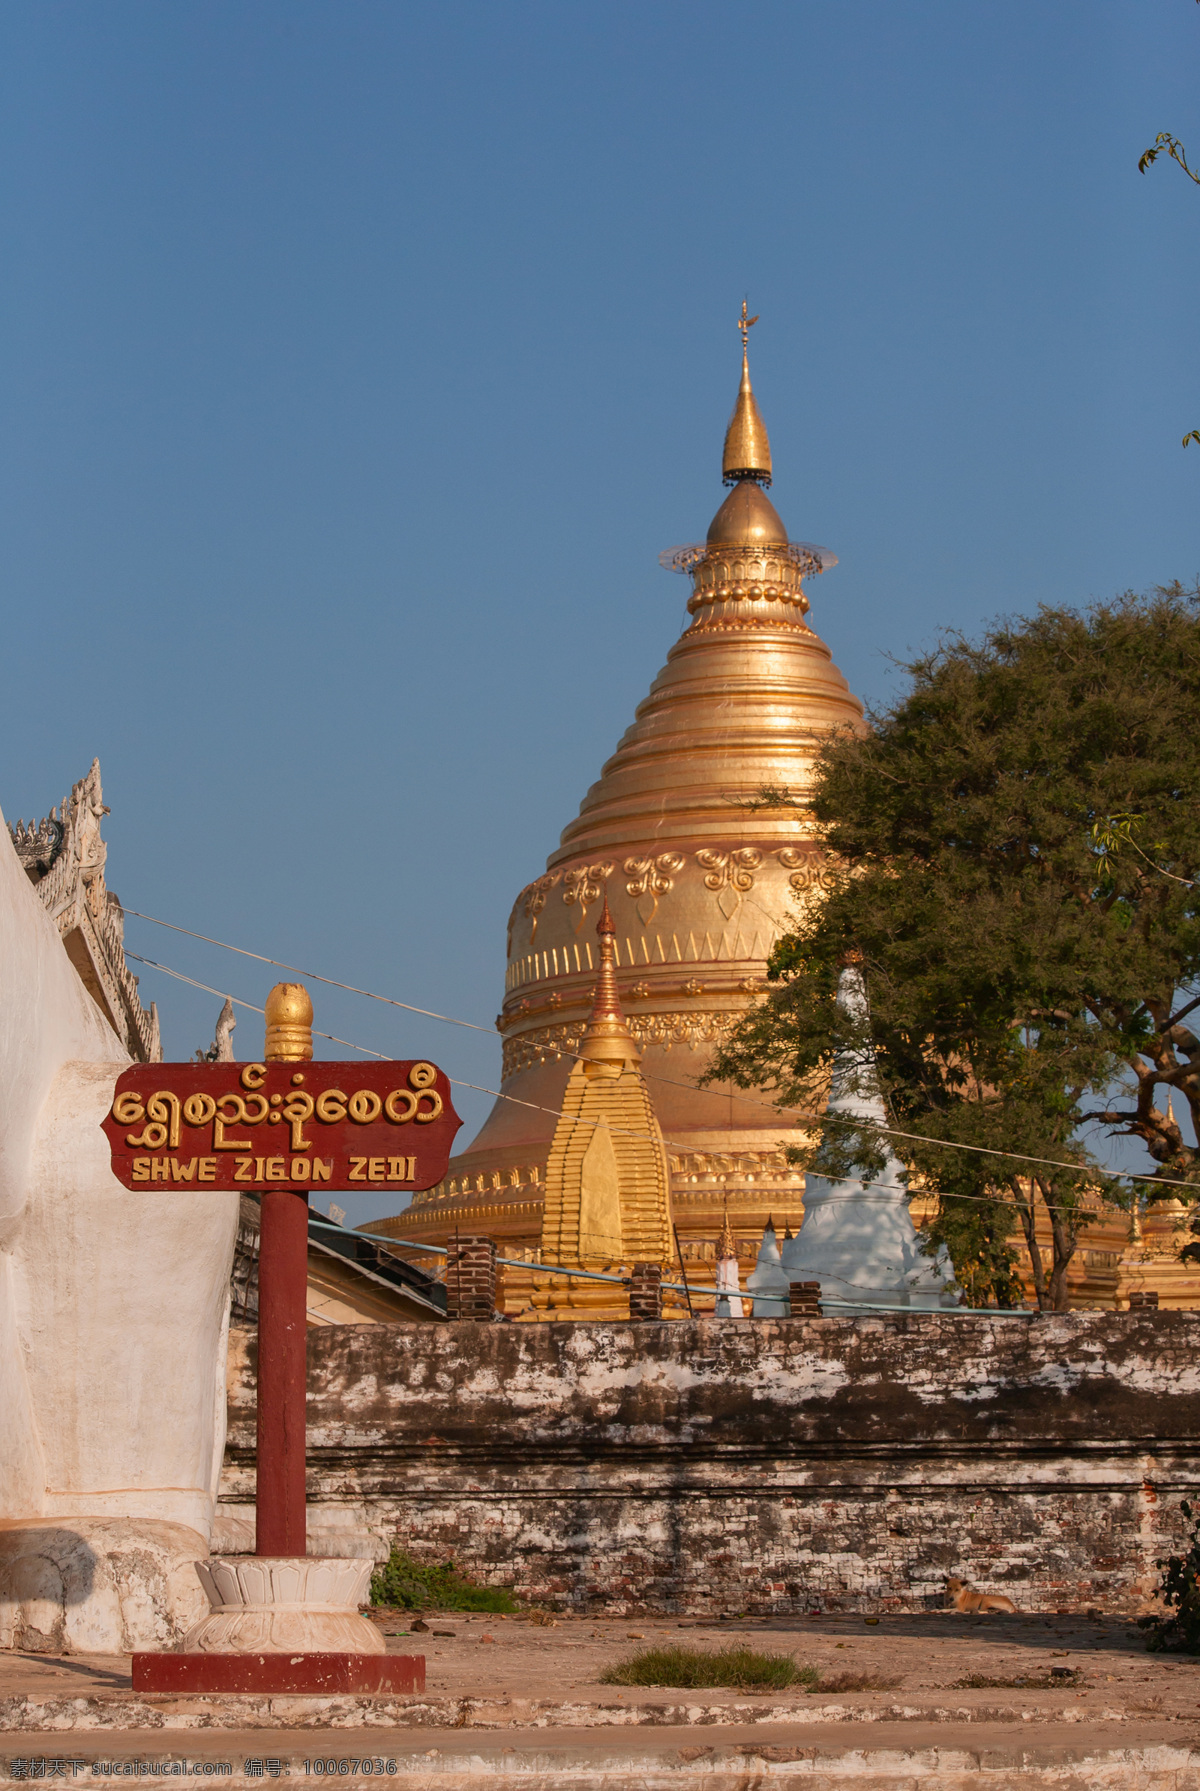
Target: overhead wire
691, 1287
510, 1262
330, 981
822, 1119
452, 1019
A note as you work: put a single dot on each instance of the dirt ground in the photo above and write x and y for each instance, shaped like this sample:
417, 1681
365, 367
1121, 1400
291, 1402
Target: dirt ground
931, 1653
919, 1662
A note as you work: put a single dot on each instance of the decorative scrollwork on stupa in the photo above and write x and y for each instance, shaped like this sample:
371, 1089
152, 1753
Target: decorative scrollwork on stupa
689, 1026
810, 869
650, 878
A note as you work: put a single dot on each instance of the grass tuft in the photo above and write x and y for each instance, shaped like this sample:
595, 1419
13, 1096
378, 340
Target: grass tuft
851, 1682
409, 1585
694, 1669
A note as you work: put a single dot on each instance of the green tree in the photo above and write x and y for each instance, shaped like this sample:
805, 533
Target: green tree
1178, 1629
1018, 842
977, 1230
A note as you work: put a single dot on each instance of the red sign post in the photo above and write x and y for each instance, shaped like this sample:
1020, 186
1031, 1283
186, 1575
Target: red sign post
279, 1129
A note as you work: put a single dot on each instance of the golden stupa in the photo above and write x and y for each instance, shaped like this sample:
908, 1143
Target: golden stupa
607, 1201
700, 881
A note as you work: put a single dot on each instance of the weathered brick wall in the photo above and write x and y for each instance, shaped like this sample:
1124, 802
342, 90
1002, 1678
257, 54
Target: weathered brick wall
761, 1465
471, 1278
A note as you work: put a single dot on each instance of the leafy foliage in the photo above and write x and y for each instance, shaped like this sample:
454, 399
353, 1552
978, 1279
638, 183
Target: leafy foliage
747, 1669
1179, 1633
1018, 843
977, 1234
417, 1586
1166, 144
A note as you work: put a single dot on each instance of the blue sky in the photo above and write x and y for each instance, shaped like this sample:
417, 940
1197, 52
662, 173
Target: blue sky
358, 360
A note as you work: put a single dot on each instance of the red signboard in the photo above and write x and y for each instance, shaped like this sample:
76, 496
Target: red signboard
180, 1126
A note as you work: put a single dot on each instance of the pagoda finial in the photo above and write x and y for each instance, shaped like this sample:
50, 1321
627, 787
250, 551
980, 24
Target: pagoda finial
607, 1044
726, 1243
607, 1002
747, 451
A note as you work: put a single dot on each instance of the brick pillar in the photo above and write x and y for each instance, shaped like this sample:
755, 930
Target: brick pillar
645, 1293
804, 1297
471, 1279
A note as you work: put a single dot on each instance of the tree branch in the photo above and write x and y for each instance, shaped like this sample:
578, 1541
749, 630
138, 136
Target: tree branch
1166, 144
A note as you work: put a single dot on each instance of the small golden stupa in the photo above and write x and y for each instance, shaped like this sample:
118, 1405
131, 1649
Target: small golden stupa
700, 881
607, 1201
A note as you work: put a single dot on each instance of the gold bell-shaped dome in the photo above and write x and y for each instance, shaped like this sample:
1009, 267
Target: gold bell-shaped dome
747, 518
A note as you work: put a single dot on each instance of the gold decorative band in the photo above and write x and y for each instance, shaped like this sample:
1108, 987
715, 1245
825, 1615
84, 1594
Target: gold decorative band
690, 1027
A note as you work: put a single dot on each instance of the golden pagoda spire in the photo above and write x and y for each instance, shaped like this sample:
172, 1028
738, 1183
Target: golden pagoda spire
726, 1243
607, 1043
747, 450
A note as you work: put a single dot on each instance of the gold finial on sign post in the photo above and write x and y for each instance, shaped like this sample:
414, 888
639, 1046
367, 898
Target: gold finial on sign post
289, 1014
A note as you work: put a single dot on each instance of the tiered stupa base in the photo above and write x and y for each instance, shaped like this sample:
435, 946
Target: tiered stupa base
537, 1298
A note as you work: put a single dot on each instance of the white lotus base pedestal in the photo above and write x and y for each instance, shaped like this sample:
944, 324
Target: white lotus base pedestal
282, 1624
279, 1604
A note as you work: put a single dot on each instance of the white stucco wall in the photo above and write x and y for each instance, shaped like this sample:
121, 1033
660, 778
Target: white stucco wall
113, 1304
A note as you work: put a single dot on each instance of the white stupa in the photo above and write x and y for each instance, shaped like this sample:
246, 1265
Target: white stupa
858, 1239
766, 1280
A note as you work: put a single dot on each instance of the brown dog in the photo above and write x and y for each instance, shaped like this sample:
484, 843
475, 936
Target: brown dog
965, 1598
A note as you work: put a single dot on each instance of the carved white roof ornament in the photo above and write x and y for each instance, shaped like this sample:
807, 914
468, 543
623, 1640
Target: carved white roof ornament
64, 858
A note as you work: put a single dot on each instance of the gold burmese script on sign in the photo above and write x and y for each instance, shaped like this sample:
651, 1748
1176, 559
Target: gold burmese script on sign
170, 1121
